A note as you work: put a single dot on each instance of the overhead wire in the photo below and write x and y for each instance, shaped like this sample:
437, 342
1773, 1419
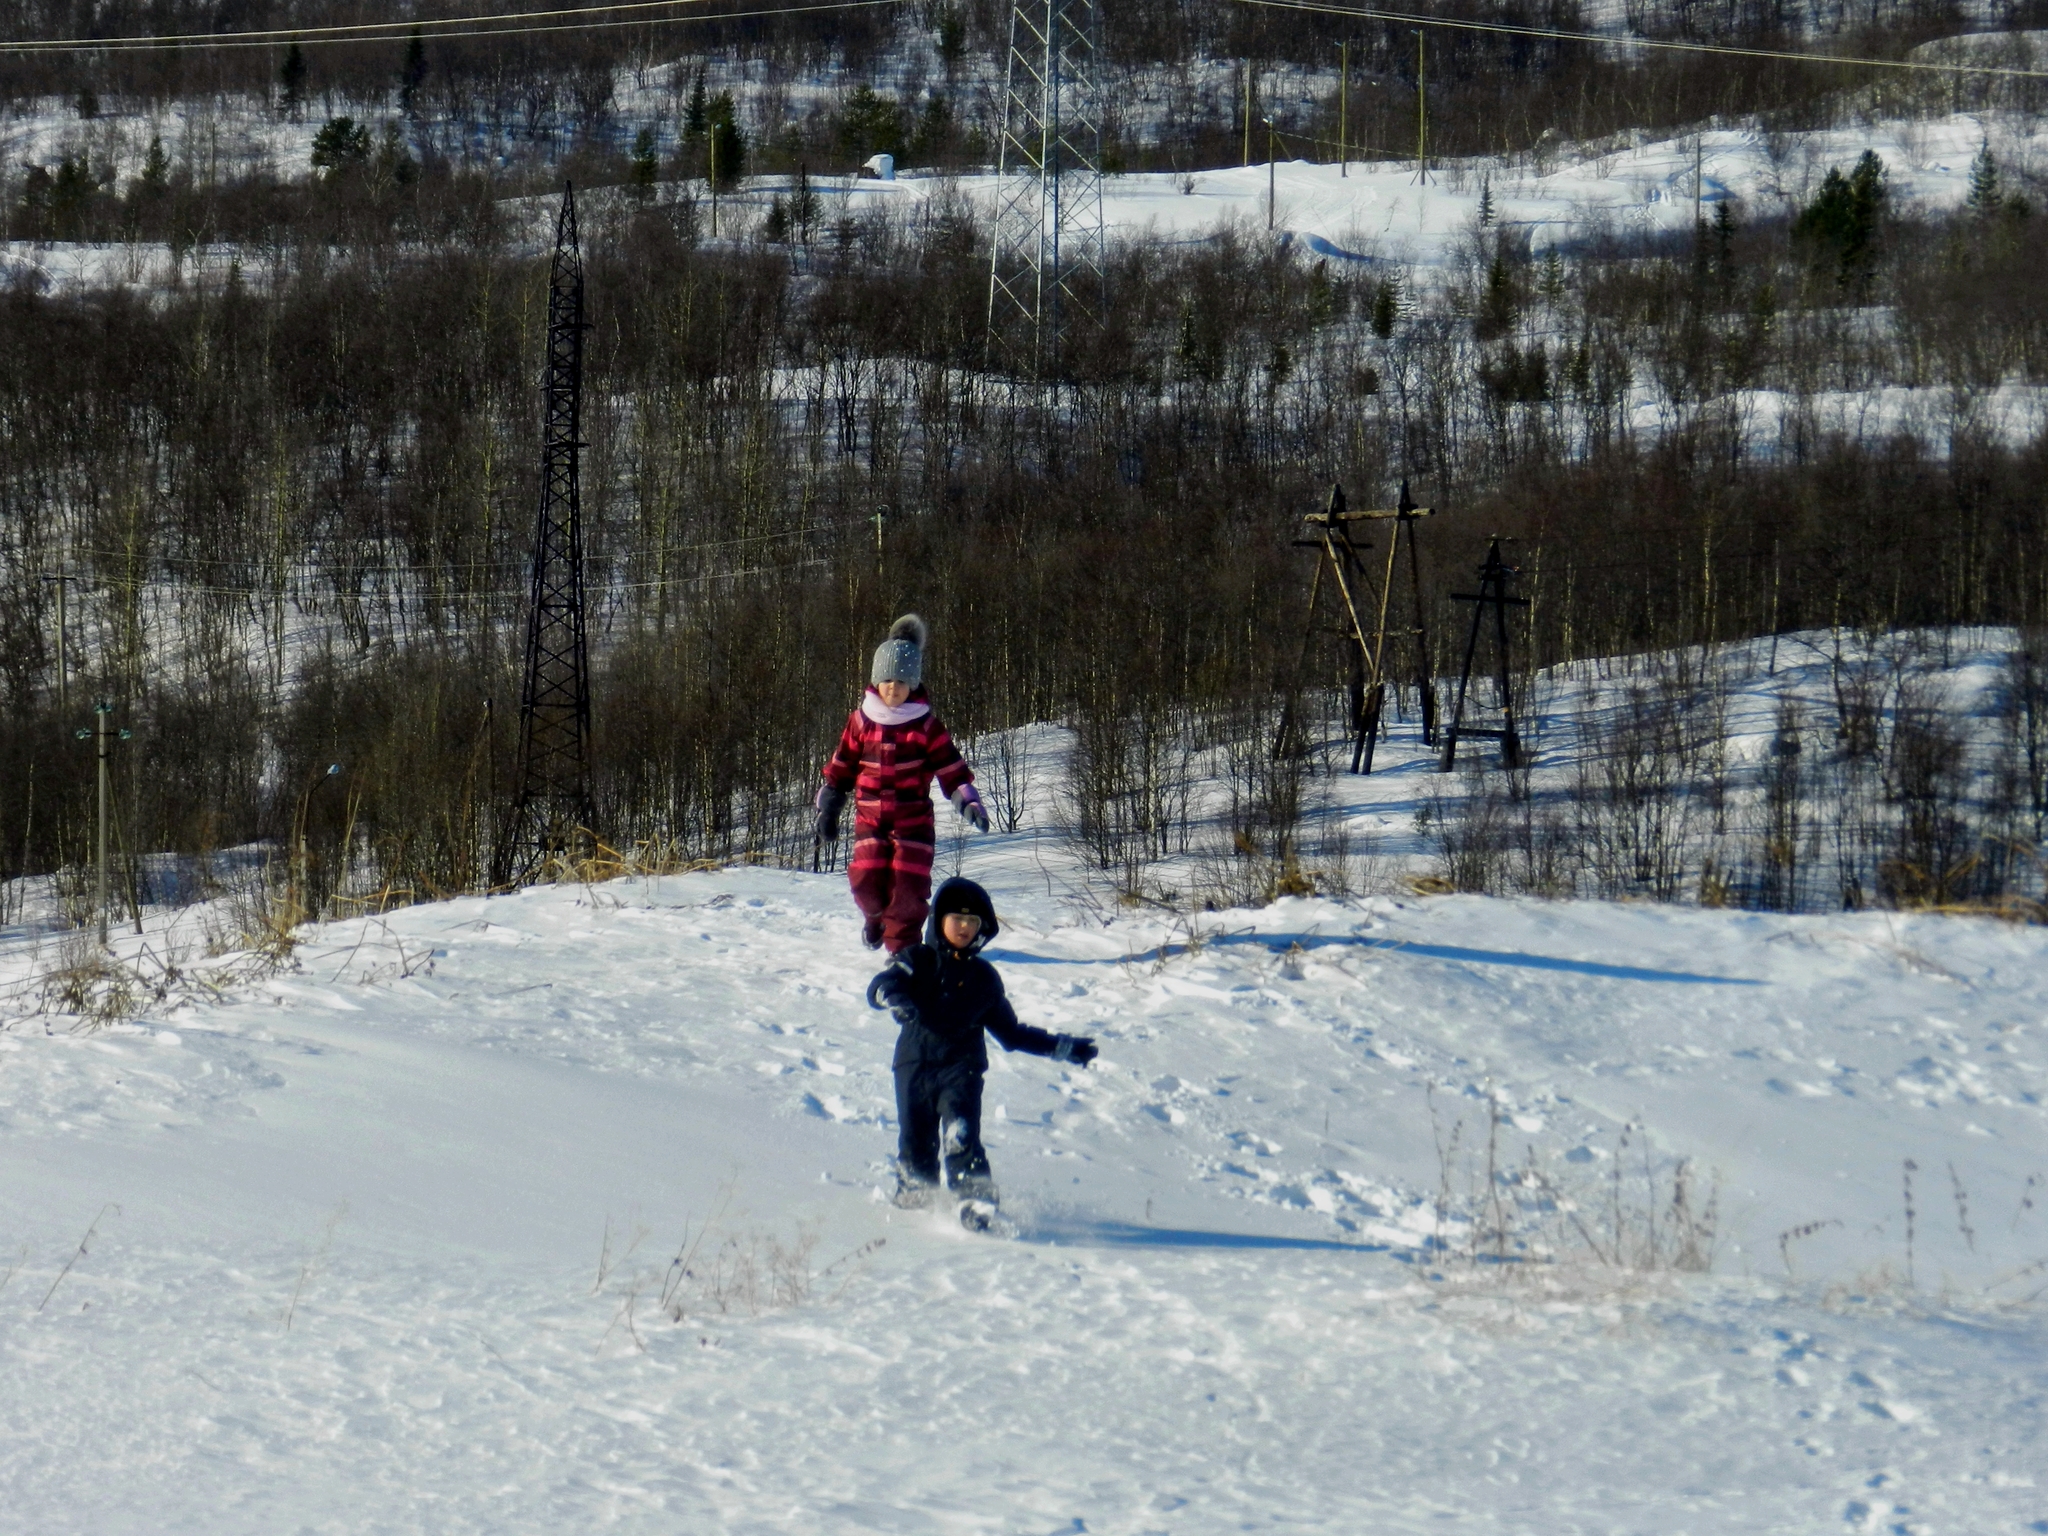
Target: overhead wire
448, 27
1668, 45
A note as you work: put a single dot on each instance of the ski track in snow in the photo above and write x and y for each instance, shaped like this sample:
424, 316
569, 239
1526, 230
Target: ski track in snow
1221, 1311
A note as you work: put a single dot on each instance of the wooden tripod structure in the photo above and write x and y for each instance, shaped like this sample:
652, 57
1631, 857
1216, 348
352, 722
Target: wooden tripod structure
1335, 533
1494, 575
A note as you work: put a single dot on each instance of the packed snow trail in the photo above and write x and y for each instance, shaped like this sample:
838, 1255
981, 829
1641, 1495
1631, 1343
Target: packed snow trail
352, 1280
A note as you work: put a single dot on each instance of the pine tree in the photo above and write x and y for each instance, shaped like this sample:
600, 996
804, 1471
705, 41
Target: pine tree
341, 145
291, 77
1497, 304
1485, 201
934, 128
1386, 306
395, 164
1724, 236
412, 74
803, 205
952, 36
697, 115
646, 165
1984, 199
1844, 218
156, 167
728, 145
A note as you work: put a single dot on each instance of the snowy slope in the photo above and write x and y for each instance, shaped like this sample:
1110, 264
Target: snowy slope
1369, 210
345, 1274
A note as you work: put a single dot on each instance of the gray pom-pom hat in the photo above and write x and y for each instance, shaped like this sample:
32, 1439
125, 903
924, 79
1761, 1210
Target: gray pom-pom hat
900, 658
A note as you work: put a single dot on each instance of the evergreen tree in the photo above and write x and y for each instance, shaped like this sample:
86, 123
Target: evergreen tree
291, 77
952, 36
697, 115
803, 205
1984, 199
1386, 306
156, 167
646, 166
869, 124
1843, 220
934, 129
395, 165
1498, 304
1485, 201
412, 74
341, 145
727, 144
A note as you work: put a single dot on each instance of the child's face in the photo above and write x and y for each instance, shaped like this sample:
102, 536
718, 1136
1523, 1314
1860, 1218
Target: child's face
893, 692
959, 928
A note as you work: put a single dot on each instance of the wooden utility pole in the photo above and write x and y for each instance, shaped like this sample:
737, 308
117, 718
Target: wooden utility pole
1494, 575
1421, 112
1343, 109
1247, 111
103, 711
1272, 184
61, 581
104, 732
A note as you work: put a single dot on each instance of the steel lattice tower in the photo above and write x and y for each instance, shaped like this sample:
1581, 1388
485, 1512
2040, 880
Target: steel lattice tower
1046, 269
552, 815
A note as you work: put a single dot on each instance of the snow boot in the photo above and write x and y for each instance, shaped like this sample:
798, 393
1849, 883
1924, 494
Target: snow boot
912, 1194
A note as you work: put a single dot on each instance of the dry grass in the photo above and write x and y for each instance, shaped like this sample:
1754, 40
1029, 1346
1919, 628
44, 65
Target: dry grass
725, 1275
1642, 1214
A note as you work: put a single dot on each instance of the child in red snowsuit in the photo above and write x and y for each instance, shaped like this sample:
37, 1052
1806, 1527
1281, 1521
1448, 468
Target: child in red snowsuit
891, 750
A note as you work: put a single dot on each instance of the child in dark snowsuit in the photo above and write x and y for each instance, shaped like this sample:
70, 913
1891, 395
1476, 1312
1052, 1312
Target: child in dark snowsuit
945, 996
891, 750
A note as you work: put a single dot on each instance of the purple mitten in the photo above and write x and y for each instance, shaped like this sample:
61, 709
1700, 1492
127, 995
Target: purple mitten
971, 807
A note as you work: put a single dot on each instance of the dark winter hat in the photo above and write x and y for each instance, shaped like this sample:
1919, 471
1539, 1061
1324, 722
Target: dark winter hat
900, 658
958, 895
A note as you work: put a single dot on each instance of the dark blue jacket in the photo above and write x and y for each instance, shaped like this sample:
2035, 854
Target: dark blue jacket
957, 995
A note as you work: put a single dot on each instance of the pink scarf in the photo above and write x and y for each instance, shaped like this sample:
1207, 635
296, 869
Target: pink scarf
893, 714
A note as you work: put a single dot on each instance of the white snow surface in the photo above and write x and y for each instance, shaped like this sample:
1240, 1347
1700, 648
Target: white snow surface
345, 1271
1370, 210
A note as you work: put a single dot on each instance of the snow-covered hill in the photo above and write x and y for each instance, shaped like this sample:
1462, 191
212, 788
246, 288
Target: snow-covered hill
389, 1242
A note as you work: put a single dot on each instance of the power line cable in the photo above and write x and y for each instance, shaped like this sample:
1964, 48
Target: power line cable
456, 27
1669, 45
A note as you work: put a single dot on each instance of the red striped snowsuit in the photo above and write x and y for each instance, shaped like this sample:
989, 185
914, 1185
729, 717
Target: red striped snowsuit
889, 771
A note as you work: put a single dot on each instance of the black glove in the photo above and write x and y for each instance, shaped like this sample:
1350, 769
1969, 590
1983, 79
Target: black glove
892, 987
1078, 1049
831, 802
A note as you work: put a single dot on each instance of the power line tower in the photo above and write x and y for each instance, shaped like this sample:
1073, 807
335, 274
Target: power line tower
1494, 576
1046, 268
1337, 536
552, 813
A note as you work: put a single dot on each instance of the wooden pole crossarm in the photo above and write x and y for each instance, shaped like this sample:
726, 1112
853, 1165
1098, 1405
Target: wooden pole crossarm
1368, 515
